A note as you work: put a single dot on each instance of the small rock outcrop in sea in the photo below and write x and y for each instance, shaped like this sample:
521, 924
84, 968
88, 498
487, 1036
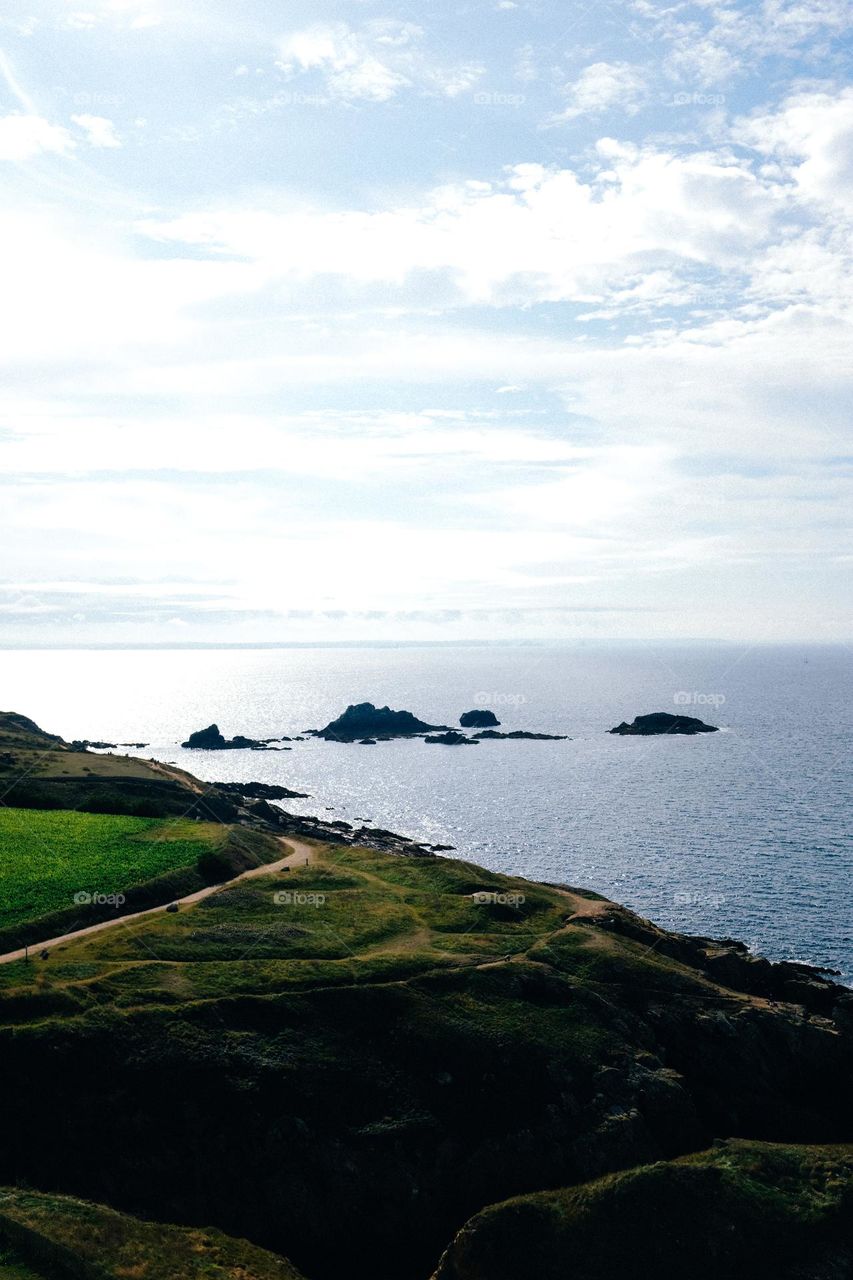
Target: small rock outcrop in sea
452, 739
663, 722
210, 739
366, 721
479, 720
523, 733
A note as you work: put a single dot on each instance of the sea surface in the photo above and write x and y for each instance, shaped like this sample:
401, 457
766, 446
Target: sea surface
743, 833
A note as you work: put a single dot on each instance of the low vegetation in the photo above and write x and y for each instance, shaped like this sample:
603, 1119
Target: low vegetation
771, 1212
62, 1236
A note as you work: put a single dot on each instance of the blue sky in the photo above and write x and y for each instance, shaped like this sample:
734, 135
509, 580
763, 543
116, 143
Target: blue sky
373, 321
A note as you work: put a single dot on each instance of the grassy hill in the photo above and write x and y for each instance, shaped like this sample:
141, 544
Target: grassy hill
388, 1044
40, 771
46, 1237
740, 1209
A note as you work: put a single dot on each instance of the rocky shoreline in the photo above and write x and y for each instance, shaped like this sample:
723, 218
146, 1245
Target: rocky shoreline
726, 960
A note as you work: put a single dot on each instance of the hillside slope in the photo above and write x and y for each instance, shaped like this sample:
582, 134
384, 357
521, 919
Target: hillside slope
740, 1209
59, 1236
38, 770
388, 1044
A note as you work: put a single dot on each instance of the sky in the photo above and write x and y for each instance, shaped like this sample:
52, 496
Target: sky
389, 321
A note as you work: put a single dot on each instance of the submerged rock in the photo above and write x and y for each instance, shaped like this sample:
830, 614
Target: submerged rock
664, 722
363, 720
479, 720
452, 739
523, 733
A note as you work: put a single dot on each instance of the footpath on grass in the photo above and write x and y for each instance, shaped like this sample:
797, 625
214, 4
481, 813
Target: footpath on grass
301, 853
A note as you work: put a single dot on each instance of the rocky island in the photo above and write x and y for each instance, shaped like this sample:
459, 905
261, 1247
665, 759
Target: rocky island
452, 739
479, 720
211, 739
663, 722
364, 720
523, 734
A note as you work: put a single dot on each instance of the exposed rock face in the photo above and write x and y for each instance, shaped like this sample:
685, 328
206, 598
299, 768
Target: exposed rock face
523, 733
663, 722
452, 739
479, 720
366, 721
210, 739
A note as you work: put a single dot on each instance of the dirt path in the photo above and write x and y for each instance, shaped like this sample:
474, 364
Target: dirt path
299, 855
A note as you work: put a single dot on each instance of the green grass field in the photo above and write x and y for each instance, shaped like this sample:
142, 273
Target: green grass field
48, 856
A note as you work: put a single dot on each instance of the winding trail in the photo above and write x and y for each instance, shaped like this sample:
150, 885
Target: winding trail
300, 854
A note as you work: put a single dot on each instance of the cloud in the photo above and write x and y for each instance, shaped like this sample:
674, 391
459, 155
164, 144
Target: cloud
630, 364
23, 137
812, 137
715, 41
599, 87
374, 63
99, 131
119, 14
561, 238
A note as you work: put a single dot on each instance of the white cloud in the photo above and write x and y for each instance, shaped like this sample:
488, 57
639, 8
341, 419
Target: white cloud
351, 67
560, 238
23, 137
99, 131
373, 63
714, 41
812, 136
119, 14
599, 87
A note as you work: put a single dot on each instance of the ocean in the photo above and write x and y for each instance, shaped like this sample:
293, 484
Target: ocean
743, 833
